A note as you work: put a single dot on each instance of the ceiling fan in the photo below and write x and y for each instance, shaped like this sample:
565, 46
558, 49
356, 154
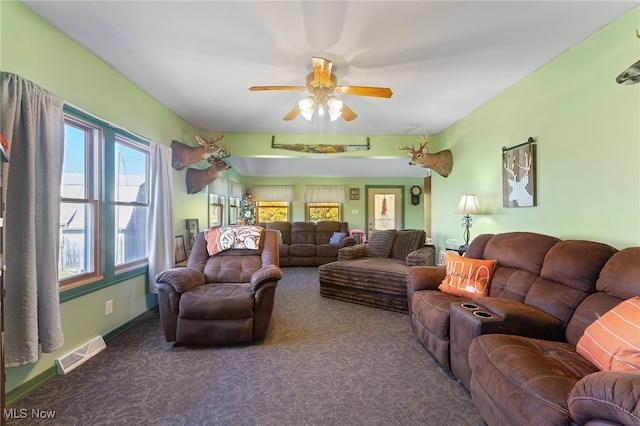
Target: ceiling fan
322, 83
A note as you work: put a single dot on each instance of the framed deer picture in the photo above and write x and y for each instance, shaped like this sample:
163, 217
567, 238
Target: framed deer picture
519, 176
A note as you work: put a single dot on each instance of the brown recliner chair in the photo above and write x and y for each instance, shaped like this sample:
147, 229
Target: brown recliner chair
220, 299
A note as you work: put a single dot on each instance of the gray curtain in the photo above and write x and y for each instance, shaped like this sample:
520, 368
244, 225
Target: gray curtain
161, 220
31, 120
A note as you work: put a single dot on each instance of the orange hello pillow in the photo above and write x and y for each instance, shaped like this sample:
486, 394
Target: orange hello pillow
467, 277
613, 341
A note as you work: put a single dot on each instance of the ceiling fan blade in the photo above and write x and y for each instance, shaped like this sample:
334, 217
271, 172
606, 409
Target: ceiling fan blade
378, 92
347, 113
292, 114
321, 70
260, 88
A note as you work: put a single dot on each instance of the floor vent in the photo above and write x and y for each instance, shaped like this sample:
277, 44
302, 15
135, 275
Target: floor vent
79, 355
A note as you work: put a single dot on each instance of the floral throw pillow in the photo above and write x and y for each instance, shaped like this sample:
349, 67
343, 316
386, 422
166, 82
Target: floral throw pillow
220, 238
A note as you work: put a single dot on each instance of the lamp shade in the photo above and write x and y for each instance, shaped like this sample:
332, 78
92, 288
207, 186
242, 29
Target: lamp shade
468, 205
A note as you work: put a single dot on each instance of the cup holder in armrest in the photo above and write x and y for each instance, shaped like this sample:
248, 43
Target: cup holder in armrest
482, 314
469, 306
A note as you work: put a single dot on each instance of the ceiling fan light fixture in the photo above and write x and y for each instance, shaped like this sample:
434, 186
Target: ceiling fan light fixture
335, 107
321, 83
306, 106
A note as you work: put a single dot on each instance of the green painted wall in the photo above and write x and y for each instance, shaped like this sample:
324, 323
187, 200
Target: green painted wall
33, 49
354, 210
588, 132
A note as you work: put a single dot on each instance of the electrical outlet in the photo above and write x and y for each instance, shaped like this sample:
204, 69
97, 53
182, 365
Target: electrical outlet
108, 307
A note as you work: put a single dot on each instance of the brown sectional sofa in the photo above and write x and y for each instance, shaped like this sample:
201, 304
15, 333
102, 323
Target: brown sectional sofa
375, 273
519, 380
308, 243
515, 350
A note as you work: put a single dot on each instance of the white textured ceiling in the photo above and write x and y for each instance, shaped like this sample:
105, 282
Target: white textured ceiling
442, 59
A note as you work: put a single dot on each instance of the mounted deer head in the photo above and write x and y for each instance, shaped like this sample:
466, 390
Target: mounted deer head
198, 179
632, 74
183, 155
440, 162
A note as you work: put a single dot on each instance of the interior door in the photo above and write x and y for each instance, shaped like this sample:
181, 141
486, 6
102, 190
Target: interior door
384, 208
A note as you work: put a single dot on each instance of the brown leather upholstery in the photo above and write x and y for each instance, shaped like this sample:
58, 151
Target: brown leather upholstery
324, 231
569, 273
220, 299
520, 256
537, 284
523, 381
307, 243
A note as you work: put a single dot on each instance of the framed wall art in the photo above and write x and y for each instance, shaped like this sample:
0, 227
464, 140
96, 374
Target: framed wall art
519, 175
181, 250
193, 228
354, 193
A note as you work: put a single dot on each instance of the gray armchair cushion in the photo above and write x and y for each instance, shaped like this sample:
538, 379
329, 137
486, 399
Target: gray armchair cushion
380, 243
406, 241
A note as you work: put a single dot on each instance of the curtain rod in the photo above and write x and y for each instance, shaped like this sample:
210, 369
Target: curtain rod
108, 123
528, 142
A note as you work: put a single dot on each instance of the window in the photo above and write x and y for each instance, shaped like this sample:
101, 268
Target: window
104, 186
132, 201
217, 205
323, 211
79, 213
271, 211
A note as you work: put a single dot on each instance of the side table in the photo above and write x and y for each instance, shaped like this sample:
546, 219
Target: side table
461, 250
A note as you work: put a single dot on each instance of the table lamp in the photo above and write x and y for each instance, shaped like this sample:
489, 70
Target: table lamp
468, 206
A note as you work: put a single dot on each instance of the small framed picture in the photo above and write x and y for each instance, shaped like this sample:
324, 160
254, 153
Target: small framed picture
354, 193
193, 229
181, 250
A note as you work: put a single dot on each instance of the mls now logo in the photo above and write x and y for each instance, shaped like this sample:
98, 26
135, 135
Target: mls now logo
23, 413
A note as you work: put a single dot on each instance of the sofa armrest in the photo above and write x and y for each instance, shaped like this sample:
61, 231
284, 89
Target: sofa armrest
522, 319
424, 277
606, 397
264, 275
352, 252
181, 279
347, 242
425, 256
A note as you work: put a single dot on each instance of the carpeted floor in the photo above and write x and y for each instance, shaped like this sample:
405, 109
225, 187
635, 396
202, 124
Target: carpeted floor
324, 362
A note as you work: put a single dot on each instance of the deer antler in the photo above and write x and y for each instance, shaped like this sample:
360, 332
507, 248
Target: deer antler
225, 152
424, 141
527, 160
210, 141
404, 147
506, 167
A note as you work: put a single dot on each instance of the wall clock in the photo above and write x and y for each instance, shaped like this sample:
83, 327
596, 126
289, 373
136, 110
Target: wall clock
415, 195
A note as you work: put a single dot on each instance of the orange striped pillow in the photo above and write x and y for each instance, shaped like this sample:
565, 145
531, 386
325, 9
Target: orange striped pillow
613, 341
466, 277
